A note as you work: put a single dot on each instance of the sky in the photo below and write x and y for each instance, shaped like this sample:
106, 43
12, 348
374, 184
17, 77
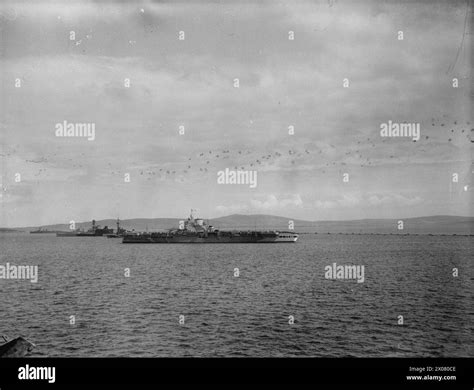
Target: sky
345, 72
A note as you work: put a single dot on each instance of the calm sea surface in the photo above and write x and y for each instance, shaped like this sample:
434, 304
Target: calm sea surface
246, 315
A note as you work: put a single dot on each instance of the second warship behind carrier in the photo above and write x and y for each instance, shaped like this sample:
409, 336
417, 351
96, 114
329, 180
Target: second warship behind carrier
196, 231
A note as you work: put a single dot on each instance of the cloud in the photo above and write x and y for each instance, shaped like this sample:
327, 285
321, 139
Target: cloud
351, 200
268, 203
189, 83
346, 200
273, 203
394, 200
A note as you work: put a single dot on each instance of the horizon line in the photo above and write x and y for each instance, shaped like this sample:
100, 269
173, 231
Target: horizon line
250, 215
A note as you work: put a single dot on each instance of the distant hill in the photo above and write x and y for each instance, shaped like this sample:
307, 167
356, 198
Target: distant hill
7, 230
442, 224
439, 224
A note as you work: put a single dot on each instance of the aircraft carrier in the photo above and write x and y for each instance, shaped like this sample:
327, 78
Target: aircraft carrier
196, 231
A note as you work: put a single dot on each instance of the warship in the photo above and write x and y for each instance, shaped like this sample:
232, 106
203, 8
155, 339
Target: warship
72, 233
120, 231
43, 231
95, 231
197, 231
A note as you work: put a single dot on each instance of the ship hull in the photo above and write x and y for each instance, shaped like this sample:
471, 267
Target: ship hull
257, 238
66, 234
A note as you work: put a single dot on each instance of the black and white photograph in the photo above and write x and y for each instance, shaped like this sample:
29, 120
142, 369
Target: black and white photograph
259, 181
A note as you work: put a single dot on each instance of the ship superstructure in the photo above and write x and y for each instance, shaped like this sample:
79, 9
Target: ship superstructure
120, 231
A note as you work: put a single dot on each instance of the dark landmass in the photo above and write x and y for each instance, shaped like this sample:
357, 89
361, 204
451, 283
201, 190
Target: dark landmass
7, 230
439, 224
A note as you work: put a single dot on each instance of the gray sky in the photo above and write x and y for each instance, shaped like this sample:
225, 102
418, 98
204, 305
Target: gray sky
282, 82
